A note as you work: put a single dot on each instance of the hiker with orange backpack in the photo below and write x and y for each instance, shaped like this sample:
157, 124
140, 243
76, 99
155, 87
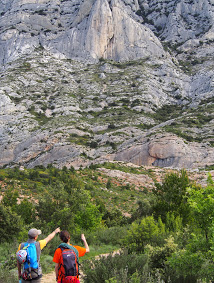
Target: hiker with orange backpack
66, 258
29, 253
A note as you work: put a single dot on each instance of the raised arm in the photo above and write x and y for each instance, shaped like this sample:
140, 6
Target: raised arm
85, 243
51, 236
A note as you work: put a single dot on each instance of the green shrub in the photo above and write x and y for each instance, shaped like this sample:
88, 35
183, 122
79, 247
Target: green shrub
171, 195
8, 276
148, 231
167, 112
188, 266
121, 267
114, 217
8, 269
109, 236
143, 208
10, 224
47, 263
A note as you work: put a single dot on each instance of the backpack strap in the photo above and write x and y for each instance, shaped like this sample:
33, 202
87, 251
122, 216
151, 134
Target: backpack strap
38, 251
62, 249
22, 246
67, 246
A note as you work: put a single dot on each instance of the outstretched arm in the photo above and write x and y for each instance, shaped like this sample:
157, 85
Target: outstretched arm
85, 243
51, 236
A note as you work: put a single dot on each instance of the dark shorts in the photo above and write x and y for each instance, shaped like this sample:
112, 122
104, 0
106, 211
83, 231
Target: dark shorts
32, 281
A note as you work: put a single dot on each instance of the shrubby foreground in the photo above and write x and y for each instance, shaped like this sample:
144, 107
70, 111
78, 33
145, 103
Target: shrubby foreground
166, 233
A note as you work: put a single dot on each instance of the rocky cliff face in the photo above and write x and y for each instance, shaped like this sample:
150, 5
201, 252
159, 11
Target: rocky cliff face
86, 81
84, 30
111, 29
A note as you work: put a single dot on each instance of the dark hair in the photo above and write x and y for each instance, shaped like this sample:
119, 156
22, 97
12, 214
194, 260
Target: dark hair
64, 236
30, 237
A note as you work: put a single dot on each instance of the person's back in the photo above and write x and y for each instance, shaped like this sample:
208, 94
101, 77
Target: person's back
31, 266
66, 258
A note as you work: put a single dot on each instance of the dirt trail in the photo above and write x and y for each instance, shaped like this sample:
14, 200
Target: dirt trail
49, 278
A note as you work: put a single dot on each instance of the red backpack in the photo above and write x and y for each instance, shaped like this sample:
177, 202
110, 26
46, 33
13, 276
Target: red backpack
69, 265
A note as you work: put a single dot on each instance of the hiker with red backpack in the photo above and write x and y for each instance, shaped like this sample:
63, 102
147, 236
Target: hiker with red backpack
66, 258
29, 253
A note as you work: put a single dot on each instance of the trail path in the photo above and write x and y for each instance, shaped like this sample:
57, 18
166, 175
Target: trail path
51, 278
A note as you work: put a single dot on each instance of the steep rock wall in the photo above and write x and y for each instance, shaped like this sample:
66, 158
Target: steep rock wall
84, 30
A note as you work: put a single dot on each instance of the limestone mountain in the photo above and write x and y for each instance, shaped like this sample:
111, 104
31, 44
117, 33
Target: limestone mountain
84, 81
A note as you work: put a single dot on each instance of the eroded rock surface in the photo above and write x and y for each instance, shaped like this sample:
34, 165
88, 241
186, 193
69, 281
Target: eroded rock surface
168, 151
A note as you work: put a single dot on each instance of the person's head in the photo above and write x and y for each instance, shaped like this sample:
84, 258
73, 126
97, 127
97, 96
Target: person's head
34, 233
64, 236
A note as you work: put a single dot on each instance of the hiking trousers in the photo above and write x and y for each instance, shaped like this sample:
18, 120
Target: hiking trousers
32, 281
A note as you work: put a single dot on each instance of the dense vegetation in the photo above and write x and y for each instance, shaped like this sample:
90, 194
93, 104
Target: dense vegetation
166, 233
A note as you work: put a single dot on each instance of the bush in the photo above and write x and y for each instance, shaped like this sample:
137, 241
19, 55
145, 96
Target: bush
8, 276
171, 196
111, 126
148, 231
158, 257
47, 263
186, 264
8, 269
10, 224
114, 217
108, 236
93, 144
119, 268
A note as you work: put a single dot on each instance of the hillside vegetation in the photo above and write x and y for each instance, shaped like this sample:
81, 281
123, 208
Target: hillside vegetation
160, 220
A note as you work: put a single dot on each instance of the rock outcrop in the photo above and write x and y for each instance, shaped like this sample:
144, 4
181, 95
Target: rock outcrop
167, 151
